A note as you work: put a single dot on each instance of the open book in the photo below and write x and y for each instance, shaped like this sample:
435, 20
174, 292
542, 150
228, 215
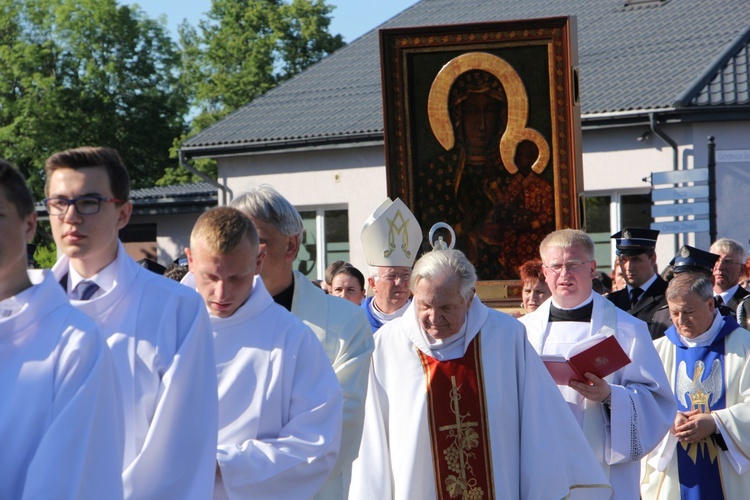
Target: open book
598, 356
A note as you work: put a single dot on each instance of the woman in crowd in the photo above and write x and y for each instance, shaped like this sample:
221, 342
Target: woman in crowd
534, 288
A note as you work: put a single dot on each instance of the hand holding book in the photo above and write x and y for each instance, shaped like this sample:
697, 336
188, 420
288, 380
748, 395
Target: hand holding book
598, 356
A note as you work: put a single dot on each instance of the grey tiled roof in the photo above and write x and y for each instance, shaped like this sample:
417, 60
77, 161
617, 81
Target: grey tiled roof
631, 58
178, 191
730, 83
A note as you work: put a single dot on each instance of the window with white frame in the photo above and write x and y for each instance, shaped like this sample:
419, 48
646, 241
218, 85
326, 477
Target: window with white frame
325, 240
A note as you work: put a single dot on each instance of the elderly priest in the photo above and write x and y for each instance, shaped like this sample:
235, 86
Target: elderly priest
707, 358
391, 238
460, 406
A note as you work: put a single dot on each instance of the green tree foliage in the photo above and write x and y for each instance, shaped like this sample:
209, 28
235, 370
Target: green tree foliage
87, 72
45, 255
243, 49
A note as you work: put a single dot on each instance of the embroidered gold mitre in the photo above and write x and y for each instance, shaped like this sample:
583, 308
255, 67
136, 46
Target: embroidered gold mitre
391, 235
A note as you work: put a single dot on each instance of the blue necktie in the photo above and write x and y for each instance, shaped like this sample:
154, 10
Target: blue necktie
86, 289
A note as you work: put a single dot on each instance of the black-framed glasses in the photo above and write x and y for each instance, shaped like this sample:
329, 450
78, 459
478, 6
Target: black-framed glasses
571, 266
84, 205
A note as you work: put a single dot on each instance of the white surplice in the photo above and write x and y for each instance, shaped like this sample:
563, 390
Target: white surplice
61, 433
537, 450
343, 330
660, 475
280, 405
159, 335
642, 405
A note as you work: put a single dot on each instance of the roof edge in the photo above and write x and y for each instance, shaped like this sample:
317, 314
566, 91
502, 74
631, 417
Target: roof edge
683, 100
217, 150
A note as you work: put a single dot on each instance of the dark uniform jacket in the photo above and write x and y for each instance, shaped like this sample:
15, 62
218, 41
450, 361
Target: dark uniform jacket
732, 303
651, 301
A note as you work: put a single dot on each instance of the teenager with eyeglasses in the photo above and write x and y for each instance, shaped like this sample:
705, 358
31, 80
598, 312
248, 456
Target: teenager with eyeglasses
158, 331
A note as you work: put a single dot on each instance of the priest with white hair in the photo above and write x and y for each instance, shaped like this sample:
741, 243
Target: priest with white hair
460, 405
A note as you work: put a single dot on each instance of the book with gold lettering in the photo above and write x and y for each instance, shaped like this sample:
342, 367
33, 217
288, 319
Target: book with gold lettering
601, 358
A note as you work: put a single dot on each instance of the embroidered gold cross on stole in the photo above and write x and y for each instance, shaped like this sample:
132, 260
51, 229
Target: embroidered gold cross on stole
459, 430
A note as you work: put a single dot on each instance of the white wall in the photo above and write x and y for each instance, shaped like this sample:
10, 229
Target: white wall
350, 177
172, 233
732, 177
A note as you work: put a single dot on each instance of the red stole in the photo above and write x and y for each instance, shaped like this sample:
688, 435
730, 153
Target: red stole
458, 425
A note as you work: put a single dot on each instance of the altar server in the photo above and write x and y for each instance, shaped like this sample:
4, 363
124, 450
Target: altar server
61, 428
157, 330
280, 404
626, 414
341, 327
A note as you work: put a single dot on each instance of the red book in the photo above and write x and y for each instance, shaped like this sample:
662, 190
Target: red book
602, 358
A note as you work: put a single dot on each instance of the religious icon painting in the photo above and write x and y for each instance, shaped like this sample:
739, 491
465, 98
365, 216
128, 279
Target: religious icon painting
482, 133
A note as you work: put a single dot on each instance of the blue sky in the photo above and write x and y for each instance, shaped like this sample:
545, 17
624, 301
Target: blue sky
351, 18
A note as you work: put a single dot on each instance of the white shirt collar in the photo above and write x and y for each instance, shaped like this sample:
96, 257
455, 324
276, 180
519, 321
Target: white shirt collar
727, 295
105, 278
644, 286
443, 349
383, 317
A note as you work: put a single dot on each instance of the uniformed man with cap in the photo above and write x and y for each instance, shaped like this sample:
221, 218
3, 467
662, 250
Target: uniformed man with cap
688, 259
391, 238
644, 293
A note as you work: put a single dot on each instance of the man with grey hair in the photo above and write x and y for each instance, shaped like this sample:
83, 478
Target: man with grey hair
727, 273
707, 358
627, 413
340, 325
460, 406
391, 238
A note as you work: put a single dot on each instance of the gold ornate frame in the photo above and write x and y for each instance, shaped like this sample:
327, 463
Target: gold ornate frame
536, 64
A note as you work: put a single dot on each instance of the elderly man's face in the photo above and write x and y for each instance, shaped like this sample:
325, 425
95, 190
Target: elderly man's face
391, 287
727, 271
441, 310
279, 251
691, 315
568, 272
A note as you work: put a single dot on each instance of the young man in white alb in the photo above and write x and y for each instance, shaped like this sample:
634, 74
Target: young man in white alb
60, 417
157, 330
280, 404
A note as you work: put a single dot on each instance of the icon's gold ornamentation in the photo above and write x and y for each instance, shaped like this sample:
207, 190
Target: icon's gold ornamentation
518, 107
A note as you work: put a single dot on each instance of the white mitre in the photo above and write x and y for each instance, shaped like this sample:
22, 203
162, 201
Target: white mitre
391, 236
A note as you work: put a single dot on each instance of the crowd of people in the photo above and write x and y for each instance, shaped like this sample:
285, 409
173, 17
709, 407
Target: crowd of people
234, 376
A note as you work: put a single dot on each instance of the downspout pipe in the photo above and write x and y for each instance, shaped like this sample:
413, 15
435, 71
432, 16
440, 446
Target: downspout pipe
657, 130
222, 189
